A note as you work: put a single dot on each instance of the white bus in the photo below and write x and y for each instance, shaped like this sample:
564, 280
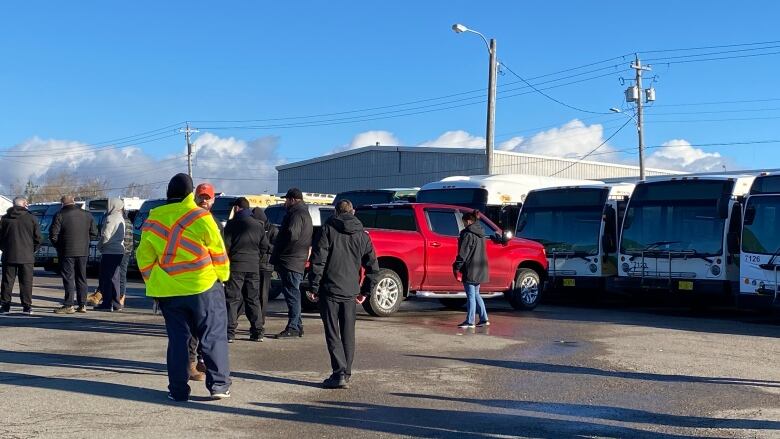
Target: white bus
578, 226
761, 244
681, 235
497, 196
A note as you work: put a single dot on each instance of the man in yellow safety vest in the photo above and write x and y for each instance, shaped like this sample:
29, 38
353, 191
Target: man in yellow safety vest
182, 258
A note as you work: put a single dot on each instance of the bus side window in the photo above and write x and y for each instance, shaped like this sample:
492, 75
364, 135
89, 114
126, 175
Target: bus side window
609, 240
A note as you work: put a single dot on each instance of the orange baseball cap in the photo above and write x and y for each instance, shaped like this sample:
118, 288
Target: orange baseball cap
205, 189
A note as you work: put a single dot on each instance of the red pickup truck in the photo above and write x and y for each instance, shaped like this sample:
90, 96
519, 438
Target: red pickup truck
416, 245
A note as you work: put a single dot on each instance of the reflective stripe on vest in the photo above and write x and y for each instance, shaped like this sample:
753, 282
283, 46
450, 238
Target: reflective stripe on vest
175, 241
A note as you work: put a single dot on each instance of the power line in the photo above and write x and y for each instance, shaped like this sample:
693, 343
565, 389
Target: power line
710, 47
594, 149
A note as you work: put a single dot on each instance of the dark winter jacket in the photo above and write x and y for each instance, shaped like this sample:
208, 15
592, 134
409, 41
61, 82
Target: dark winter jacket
291, 249
342, 249
472, 259
20, 236
245, 242
71, 231
271, 231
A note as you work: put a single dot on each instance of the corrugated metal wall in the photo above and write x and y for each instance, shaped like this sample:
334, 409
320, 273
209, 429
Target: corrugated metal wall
508, 163
379, 169
374, 169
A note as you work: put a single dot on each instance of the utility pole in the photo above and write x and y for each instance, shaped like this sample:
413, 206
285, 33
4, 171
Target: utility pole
639, 98
491, 110
187, 131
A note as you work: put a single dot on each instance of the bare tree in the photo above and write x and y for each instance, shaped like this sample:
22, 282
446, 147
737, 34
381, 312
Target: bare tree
138, 190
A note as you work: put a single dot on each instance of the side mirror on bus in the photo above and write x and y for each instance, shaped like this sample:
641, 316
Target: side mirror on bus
750, 215
723, 206
732, 241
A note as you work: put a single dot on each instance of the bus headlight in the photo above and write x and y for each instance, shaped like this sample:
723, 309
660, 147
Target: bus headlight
593, 268
625, 267
715, 270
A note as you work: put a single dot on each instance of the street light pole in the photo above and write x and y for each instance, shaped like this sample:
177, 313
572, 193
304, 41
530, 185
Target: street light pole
491, 106
491, 109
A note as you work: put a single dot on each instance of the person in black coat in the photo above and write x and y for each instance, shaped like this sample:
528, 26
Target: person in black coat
20, 238
71, 232
245, 242
291, 251
266, 269
342, 249
471, 267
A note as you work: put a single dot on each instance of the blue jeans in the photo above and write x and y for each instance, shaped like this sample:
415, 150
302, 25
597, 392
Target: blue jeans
291, 287
123, 274
109, 280
205, 316
473, 301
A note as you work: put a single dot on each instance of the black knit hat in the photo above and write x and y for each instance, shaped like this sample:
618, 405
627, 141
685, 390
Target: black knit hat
180, 186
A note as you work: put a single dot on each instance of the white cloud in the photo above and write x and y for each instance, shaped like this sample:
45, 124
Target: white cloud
678, 154
572, 140
369, 138
40, 159
235, 165
456, 139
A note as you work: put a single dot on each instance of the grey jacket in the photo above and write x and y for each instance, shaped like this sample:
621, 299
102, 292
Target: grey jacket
112, 238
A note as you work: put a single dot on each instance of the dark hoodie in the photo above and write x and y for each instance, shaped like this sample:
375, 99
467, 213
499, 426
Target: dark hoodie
342, 249
472, 259
20, 236
245, 242
270, 232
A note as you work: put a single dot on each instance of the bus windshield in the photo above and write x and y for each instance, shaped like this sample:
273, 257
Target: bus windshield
675, 216
471, 198
564, 221
761, 235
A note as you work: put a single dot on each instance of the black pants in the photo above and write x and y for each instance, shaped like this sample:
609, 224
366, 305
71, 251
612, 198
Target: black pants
74, 278
203, 314
339, 321
25, 273
265, 287
109, 280
243, 288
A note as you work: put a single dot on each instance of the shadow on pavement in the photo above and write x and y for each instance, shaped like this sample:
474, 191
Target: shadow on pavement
581, 370
75, 322
610, 413
360, 417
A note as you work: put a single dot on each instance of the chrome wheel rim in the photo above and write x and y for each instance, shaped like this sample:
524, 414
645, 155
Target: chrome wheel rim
529, 289
387, 292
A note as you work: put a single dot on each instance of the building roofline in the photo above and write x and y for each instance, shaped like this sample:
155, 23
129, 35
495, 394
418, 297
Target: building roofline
383, 148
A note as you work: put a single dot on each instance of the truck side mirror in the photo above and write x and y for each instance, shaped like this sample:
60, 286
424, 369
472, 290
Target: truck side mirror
506, 236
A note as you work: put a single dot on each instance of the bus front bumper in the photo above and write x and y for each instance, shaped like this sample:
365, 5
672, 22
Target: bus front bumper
679, 286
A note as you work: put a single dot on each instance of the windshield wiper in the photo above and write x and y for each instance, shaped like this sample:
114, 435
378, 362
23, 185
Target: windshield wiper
573, 253
696, 254
770, 264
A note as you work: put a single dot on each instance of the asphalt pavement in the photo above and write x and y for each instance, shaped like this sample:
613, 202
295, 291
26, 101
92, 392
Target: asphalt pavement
560, 371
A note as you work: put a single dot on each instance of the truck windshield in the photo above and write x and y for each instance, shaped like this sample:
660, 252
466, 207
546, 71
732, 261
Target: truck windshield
143, 213
222, 208
675, 216
762, 236
565, 220
471, 198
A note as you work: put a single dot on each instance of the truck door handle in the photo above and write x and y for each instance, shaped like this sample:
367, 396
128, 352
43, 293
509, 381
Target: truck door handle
435, 244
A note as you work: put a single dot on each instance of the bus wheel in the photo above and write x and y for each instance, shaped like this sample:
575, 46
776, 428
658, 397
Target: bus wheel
527, 291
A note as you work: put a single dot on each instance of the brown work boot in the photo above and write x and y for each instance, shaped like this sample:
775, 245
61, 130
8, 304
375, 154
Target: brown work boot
201, 366
195, 374
94, 299
122, 300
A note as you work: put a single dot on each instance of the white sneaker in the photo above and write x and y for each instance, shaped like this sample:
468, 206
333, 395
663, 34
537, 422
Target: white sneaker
220, 395
466, 325
485, 323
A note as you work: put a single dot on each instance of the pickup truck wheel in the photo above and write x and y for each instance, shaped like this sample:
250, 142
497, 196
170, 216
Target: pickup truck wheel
453, 303
527, 291
387, 295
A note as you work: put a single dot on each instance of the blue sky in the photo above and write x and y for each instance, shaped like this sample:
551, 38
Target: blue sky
76, 73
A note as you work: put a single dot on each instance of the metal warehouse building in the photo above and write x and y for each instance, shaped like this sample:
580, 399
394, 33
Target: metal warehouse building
375, 167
